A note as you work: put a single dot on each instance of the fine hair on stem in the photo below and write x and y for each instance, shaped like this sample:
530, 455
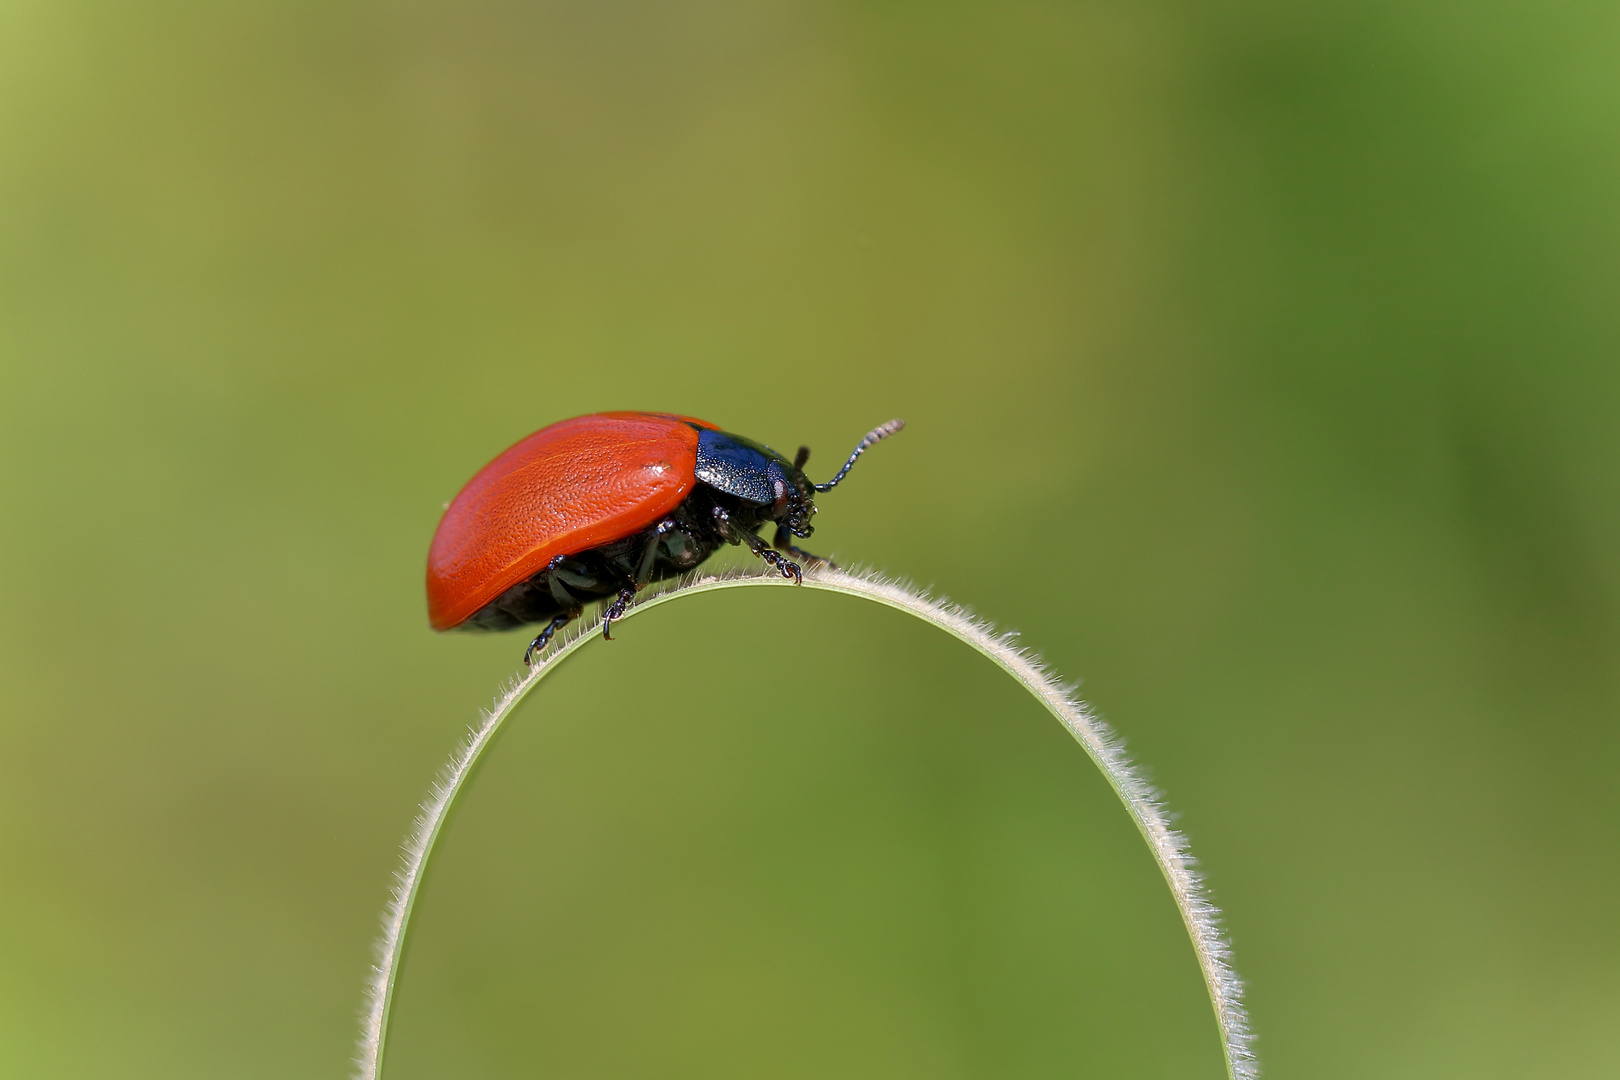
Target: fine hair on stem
1142, 801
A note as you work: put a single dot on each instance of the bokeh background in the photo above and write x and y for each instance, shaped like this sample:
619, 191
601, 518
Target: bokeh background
1261, 366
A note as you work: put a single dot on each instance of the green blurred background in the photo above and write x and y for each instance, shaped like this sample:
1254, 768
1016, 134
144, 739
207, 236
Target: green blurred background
1260, 361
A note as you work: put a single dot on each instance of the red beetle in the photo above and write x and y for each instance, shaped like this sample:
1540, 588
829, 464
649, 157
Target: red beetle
599, 506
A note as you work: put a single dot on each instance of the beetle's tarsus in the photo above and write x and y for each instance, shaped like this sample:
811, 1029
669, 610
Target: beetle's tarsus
540, 639
616, 610
786, 567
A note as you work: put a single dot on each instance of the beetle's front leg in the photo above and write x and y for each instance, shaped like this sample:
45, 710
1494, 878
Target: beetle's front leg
733, 535
784, 542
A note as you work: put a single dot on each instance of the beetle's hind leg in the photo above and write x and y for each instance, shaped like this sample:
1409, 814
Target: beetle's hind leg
649, 556
562, 572
732, 534
557, 623
783, 541
565, 573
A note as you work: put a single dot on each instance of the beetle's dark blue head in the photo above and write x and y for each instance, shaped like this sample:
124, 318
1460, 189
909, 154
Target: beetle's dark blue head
759, 475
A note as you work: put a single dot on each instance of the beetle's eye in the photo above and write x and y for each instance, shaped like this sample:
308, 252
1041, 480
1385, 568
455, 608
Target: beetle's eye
779, 489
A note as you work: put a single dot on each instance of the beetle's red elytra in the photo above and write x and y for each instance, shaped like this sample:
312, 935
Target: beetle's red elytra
600, 505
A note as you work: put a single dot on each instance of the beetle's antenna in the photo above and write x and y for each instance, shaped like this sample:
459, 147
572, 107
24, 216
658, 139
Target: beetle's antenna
882, 431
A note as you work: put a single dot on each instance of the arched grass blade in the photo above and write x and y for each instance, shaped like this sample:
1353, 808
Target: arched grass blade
1142, 801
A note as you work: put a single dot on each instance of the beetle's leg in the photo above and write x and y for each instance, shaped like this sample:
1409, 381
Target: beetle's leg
559, 592
575, 574
784, 542
650, 556
616, 610
539, 642
559, 589
722, 525
786, 567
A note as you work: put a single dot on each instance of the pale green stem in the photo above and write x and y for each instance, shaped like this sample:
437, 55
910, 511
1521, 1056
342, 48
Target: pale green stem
1141, 800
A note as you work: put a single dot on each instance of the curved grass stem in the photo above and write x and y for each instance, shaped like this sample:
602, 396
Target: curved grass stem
1143, 802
